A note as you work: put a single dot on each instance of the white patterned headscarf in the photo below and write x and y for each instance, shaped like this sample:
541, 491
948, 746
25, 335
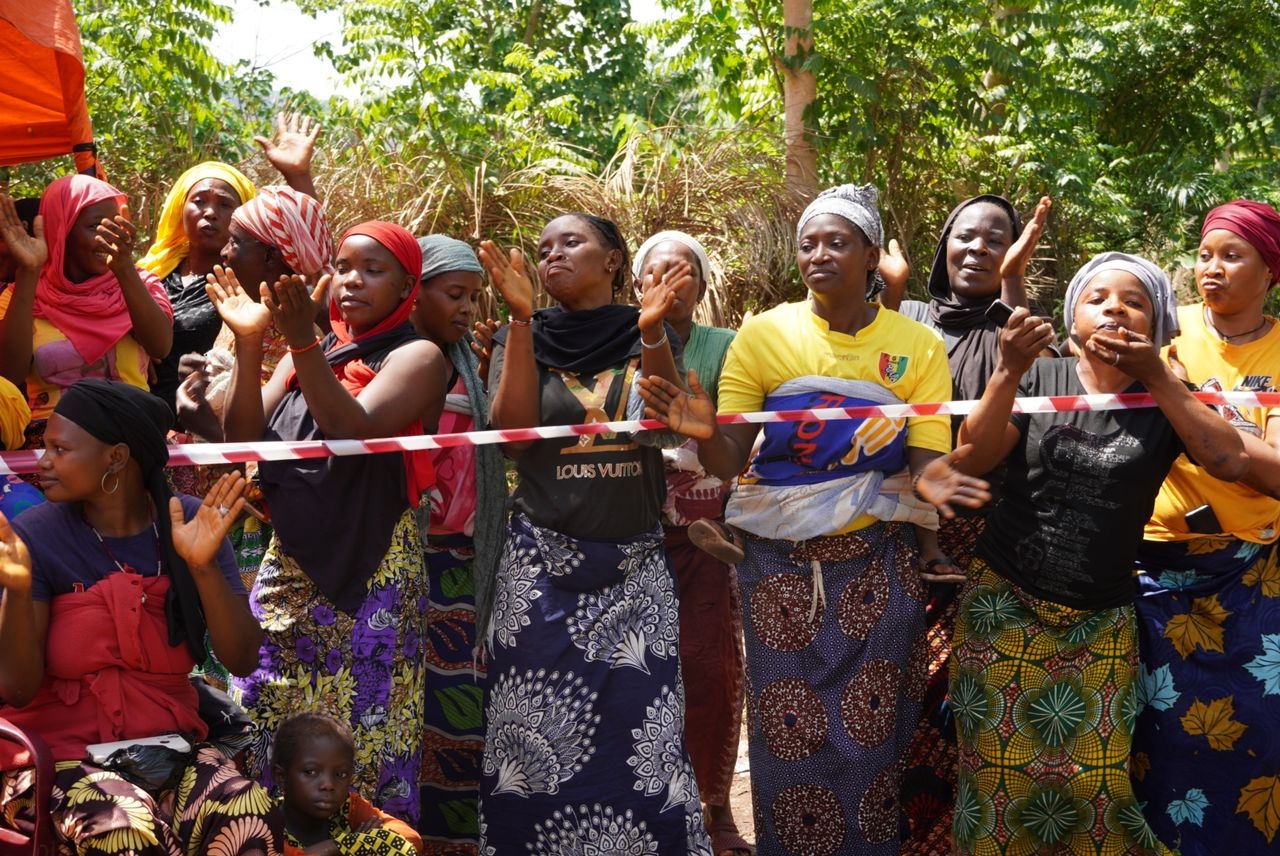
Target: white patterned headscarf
855, 203
1164, 309
685, 240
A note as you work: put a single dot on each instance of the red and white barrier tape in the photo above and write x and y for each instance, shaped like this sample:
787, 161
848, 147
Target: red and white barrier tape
239, 453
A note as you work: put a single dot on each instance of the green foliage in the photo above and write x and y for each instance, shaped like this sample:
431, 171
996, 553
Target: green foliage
534, 79
158, 98
1135, 115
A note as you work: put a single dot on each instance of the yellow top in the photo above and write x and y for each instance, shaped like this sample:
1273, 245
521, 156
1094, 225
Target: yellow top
790, 341
1214, 365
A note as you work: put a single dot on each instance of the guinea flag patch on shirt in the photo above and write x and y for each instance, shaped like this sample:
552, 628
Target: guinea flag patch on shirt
892, 368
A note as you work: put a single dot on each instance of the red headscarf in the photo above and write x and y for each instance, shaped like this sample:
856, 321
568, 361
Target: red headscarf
91, 314
1256, 222
355, 375
405, 248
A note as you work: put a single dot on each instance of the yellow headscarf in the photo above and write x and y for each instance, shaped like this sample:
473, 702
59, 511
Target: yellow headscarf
171, 244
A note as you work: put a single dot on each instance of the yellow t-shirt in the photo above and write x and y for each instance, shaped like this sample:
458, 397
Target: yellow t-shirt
55, 365
1214, 365
790, 341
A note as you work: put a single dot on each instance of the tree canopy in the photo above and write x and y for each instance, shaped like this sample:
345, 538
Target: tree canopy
480, 117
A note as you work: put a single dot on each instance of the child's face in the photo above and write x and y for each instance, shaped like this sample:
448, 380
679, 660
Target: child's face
319, 779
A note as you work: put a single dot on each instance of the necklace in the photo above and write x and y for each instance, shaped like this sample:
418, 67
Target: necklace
112, 556
1208, 319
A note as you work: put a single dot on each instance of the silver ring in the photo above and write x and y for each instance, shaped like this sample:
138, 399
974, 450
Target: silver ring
1116, 361
223, 510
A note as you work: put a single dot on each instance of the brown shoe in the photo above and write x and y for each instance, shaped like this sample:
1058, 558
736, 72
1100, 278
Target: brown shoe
717, 539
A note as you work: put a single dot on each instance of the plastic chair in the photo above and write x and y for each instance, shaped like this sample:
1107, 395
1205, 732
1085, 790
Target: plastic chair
41, 842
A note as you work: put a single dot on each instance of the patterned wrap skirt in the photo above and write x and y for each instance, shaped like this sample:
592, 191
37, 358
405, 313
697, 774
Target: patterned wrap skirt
711, 662
1044, 697
453, 736
584, 748
929, 783
366, 669
835, 668
213, 809
1207, 747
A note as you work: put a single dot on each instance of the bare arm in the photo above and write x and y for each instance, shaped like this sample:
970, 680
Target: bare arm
656, 299
723, 450
152, 326
244, 413
1209, 439
24, 623
987, 429
16, 330
410, 384
516, 402
1264, 459
233, 630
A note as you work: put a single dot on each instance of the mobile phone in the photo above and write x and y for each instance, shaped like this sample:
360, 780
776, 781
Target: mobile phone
1203, 521
99, 752
998, 312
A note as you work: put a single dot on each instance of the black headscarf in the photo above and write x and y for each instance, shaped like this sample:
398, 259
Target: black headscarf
972, 357
116, 412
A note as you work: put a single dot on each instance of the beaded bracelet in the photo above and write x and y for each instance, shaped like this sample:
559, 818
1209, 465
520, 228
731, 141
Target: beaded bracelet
314, 344
516, 322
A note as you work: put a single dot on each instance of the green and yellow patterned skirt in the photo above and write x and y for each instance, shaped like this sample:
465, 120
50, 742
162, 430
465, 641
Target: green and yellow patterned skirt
1045, 699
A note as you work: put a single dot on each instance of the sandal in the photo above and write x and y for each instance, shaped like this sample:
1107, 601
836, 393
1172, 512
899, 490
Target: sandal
717, 539
725, 838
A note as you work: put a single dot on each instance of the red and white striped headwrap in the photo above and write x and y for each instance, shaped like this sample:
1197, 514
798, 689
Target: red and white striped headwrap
293, 223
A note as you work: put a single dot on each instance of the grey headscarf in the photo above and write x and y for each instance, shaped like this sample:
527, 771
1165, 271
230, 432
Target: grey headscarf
1164, 323
855, 203
682, 238
442, 254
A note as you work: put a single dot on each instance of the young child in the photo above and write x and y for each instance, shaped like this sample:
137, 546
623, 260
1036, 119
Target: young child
313, 760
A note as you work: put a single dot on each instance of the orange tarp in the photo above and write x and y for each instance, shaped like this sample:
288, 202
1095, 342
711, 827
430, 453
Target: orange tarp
42, 109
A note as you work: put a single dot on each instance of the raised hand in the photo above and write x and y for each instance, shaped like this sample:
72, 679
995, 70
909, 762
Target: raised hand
894, 269
198, 540
692, 413
1022, 339
29, 252
15, 561
482, 347
941, 484
241, 313
507, 273
294, 306
658, 292
294, 145
1019, 255
117, 237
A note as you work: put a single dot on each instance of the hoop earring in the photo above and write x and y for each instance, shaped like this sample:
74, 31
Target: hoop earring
102, 483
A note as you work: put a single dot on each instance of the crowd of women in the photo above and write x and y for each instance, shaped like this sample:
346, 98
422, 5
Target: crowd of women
1008, 632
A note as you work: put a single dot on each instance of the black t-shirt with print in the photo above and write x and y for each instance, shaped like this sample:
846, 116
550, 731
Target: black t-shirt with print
598, 487
1079, 490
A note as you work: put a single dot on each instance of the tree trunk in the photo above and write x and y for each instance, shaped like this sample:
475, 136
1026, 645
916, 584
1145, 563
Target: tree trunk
800, 89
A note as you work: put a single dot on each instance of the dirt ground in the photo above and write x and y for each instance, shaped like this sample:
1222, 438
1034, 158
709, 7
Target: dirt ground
740, 794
